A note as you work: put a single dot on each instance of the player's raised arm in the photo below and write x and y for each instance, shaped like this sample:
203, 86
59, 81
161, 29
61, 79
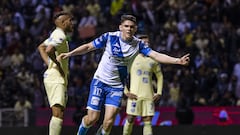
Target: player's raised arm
163, 58
85, 48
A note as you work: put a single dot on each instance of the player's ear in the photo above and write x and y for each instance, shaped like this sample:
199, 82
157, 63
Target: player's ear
63, 23
135, 28
120, 27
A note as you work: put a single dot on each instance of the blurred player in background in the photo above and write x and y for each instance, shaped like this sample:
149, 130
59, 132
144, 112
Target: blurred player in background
55, 77
141, 95
107, 86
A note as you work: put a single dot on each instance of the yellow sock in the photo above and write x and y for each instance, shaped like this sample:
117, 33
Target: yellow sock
104, 132
127, 128
55, 126
147, 128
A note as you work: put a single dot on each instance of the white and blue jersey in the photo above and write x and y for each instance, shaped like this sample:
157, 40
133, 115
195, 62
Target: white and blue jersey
117, 57
108, 83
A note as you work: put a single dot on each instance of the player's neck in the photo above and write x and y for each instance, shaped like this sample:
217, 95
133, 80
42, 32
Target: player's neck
126, 40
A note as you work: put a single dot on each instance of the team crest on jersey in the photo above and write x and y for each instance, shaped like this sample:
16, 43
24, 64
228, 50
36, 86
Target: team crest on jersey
116, 48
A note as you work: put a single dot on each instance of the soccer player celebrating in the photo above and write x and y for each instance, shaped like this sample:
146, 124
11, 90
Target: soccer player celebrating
121, 47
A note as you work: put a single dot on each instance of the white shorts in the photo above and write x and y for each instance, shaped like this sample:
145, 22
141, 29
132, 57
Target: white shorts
140, 107
56, 93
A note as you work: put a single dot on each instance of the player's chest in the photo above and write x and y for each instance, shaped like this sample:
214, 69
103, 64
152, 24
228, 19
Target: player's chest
122, 49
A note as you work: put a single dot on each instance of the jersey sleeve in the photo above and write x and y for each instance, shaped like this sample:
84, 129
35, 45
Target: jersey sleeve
144, 48
101, 41
158, 73
55, 39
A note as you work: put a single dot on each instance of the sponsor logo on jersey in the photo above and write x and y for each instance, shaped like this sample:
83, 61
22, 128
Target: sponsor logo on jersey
133, 106
116, 93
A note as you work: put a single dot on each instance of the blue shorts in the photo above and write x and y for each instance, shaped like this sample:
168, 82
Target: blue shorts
101, 93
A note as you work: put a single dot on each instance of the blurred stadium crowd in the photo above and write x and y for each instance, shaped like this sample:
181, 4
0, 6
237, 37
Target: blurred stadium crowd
208, 29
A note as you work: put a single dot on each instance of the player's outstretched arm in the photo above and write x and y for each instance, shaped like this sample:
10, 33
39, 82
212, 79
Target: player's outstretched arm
163, 58
85, 48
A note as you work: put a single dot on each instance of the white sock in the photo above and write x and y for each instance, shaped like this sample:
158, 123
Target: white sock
55, 126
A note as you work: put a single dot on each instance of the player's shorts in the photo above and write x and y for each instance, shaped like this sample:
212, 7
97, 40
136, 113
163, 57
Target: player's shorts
140, 107
101, 93
56, 93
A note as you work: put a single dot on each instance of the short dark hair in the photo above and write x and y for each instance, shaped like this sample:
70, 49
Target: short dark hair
128, 17
60, 14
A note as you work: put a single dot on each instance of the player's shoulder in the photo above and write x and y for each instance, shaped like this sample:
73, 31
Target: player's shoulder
136, 39
112, 36
114, 33
58, 33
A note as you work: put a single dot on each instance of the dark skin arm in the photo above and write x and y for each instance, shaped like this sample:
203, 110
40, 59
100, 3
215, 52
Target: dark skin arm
44, 55
156, 97
50, 50
129, 95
